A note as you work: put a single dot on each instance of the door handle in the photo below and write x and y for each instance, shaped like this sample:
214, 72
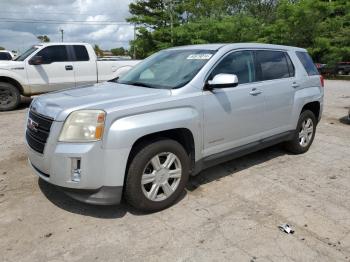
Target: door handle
255, 92
295, 85
69, 67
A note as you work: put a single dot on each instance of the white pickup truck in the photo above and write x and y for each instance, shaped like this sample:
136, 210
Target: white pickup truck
53, 66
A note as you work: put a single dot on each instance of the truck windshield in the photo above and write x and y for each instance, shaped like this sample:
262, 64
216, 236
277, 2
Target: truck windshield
27, 53
167, 69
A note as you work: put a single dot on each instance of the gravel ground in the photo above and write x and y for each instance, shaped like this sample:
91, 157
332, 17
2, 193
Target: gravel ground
229, 212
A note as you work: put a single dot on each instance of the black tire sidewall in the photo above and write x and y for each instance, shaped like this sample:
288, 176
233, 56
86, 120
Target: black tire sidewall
133, 191
17, 97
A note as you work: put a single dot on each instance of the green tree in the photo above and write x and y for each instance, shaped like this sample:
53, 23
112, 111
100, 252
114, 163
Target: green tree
321, 26
155, 14
120, 51
98, 50
43, 38
2, 48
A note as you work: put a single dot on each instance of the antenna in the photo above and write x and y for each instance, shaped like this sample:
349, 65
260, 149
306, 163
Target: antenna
62, 31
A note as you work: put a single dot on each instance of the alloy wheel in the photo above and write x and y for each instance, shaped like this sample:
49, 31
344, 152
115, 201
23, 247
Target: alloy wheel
306, 132
161, 176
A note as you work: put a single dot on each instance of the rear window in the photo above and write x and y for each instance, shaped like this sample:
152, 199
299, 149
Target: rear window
307, 62
81, 53
273, 65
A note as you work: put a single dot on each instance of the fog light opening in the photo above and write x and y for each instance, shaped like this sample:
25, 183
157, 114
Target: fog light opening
76, 170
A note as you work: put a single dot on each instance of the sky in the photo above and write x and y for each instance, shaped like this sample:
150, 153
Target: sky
59, 14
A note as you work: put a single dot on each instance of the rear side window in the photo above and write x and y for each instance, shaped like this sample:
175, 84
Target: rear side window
5, 56
55, 53
307, 62
272, 65
81, 53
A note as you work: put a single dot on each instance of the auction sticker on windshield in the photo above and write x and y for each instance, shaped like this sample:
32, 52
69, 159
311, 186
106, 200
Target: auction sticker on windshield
200, 56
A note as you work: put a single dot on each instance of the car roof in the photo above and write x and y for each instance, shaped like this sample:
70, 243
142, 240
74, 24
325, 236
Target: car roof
60, 43
238, 46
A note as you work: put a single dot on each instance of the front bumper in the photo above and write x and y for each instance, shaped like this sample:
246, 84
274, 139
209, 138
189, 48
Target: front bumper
105, 195
102, 170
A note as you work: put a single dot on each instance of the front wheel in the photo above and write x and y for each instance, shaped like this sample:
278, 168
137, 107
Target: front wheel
10, 97
157, 175
304, 134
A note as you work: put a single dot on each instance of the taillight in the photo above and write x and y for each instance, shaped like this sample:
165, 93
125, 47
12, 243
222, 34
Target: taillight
322, 80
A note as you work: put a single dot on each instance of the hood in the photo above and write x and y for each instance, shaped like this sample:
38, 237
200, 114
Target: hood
58, 105
11, 65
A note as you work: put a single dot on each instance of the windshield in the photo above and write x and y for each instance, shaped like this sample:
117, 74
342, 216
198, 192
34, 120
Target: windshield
167, 69
27, 53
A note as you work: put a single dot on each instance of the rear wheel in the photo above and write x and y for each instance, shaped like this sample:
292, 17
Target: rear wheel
157, 175
9, 97
304, 134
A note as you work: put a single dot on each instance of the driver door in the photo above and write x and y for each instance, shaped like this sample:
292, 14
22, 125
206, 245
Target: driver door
233, 116
56, 71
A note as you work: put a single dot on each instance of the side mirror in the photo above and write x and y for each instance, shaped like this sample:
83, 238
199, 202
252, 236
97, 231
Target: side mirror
36, 60
223, 81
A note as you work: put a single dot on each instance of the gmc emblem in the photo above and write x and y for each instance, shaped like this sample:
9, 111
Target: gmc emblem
32, 125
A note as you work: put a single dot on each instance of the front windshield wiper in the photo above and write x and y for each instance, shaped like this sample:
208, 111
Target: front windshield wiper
138, 84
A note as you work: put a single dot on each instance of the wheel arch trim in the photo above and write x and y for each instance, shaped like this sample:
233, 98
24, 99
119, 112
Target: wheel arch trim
15, 82
124, 132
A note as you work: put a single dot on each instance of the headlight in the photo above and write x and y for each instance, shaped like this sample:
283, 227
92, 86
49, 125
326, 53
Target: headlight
83, 126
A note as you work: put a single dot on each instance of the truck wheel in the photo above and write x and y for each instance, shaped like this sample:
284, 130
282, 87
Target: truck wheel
157, 175
304, 134
9, 97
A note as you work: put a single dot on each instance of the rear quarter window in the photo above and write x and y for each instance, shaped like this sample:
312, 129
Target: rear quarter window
307, 62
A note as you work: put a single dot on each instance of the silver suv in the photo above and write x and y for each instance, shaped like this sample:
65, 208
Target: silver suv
176, 113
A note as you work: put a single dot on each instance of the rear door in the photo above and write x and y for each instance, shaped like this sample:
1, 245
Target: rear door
276, 75
55, 73
85, 71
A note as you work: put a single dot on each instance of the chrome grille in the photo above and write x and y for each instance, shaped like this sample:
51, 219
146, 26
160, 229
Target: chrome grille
38, 130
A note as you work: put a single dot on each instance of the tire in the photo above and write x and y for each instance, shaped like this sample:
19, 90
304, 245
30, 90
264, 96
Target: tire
142, 167
296, 145
10, 97
340, 72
